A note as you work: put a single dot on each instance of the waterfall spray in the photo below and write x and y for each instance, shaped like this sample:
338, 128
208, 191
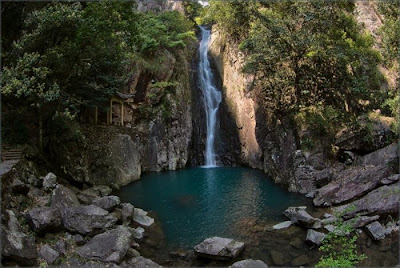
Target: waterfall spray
212, 97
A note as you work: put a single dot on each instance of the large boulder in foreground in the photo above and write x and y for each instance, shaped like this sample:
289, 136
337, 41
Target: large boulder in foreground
300, 216
110, 246
219, 248
359, 180
384, 200
249, 264
87, 219
44, 219
15, 244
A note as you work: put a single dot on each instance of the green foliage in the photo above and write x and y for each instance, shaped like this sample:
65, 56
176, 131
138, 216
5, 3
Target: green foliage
192, 9
339, 246
390, 31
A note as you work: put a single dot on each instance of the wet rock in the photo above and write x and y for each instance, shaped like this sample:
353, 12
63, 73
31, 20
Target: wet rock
50, 181
140, 216
219, 248
63, 197
300, 216
297, 243
48, 254
282, 225
79, 239
140, 262
277, 258
375, 230
110, 246
18, 187
15, 244
107, 202
359, 179
249, 264
127, 212
87, 219
314, 237
61, 247
44, 219
384, 200
301, 260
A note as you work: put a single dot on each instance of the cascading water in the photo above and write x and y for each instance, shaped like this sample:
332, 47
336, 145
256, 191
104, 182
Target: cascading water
212, 97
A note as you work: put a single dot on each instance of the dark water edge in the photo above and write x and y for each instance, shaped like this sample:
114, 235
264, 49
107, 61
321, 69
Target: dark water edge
274, 247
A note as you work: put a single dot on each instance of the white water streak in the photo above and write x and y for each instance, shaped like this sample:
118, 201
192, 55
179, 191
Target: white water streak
212, 97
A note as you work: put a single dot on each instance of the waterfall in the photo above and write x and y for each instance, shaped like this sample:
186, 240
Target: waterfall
212, 97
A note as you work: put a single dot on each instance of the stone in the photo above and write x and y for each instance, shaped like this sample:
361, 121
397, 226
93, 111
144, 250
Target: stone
383, 156
140, 262
390, 179
137, 232
87, 196
50, 181
87, 219
107, 202
300, 216
314, 237
140, 216
282, 225
305, 179
277, 258
48, 254
79, 240
15, 244
110, 246
61, 247
300, 260
323, 177
18, 187
219, 248
63, 197
381, 201
375, 230
249, 264
361, 221
44, 219
359, 179
132, 253
127, 211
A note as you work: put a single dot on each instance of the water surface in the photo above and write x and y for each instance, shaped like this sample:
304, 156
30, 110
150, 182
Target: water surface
195, 203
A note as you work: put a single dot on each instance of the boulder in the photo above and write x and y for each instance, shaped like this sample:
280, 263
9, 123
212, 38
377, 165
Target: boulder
359, 179
282, 225
140, 262
323, 177
140, 216
48, 254
304, 175
63, 197
87, 219
79, 240
107, 202
383, 156
314, 237
15, 244
110, 246
249, 264
137, 233
87, 196
127, 212
61, 247
361, 221
384, 200
102, 190
375, 230
44, 219
219, 248
390, 180
50, 181
300, 216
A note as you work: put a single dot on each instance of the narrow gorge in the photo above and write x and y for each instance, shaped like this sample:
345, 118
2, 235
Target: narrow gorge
200, 133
